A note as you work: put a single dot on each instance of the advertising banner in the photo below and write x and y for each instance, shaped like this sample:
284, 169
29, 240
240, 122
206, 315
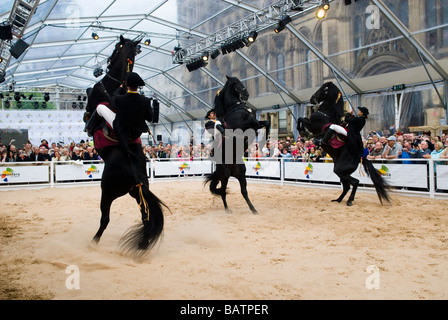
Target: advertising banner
310, 171
263, 168
442, 177
24, 174
180, 168
406, 175
75, 172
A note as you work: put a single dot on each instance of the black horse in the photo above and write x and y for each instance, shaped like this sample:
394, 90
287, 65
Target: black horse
119, 64
241, 130
124, 173
345, 161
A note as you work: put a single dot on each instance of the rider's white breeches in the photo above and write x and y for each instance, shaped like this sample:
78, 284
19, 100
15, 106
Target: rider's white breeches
338, 129
106, 113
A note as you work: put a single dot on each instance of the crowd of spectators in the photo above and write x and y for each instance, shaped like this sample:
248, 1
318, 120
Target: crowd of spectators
377, 146
84, 150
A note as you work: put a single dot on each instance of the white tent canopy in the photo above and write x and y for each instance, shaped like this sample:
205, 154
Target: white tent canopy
367, 48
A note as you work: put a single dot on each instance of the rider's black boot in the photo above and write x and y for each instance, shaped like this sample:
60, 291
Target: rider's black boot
220, 128
325, 138
93, 123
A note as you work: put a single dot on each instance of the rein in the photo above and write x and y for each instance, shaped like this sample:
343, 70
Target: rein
127, 70
239, 104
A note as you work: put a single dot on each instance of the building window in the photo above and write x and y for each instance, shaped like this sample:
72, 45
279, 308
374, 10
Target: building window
436, 14
282, 122
281, 68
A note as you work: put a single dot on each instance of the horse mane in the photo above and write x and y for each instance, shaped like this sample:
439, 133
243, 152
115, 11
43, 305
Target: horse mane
333, 105
220, 108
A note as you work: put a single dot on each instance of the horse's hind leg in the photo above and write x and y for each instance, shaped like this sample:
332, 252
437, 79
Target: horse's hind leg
224, 182
105, 205
243, 185
345, 189
354, 182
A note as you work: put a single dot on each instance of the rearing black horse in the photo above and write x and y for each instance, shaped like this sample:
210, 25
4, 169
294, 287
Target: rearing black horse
241, 126
345, 161
124, 173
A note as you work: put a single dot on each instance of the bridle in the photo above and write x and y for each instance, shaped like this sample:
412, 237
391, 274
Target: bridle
126, 68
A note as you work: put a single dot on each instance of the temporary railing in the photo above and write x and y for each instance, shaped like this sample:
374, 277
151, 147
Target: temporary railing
427, 177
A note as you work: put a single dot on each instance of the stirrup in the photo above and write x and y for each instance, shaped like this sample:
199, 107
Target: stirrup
220, 128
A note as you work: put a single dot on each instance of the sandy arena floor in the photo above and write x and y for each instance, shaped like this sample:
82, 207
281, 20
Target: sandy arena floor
299, 246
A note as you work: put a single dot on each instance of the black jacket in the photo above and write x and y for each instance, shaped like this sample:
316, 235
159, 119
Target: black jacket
354, 139
132, 111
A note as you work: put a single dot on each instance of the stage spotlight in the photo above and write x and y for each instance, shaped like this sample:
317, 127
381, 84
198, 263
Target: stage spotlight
321, 13
205, 56
5, 32
226, 48
97, 72
1, 59
17, 96
215, 54
238, 44
46, 96
148, 42
282, 24
325, 4
251, 38
95, 36
196, 64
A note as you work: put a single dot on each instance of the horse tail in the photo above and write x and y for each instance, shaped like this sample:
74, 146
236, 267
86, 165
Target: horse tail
213, 179
142, 237
381, 186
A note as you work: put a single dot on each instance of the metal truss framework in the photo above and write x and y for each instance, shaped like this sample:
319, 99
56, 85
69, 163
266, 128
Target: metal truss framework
258, 20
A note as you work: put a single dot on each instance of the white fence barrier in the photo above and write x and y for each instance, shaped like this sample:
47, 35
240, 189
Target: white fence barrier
427, 176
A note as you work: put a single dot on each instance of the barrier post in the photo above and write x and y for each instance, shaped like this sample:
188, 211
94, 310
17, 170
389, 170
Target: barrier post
282, 171
52, 164
151, 170
432, 188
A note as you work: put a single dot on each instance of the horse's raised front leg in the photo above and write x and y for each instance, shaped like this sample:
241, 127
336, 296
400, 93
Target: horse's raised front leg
303, 124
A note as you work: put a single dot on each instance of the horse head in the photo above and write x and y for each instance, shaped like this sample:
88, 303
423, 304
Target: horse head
323, 93
231, 94
122, 59
238, 89
330, 99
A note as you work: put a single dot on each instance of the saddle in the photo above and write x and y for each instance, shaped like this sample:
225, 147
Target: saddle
336, 140
104, 135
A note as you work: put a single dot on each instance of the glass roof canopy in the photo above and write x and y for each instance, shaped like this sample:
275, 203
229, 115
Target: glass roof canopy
366, 47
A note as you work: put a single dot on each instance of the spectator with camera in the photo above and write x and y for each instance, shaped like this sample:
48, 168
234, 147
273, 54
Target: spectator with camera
393, 148
11, 152
377, 151
424, 151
